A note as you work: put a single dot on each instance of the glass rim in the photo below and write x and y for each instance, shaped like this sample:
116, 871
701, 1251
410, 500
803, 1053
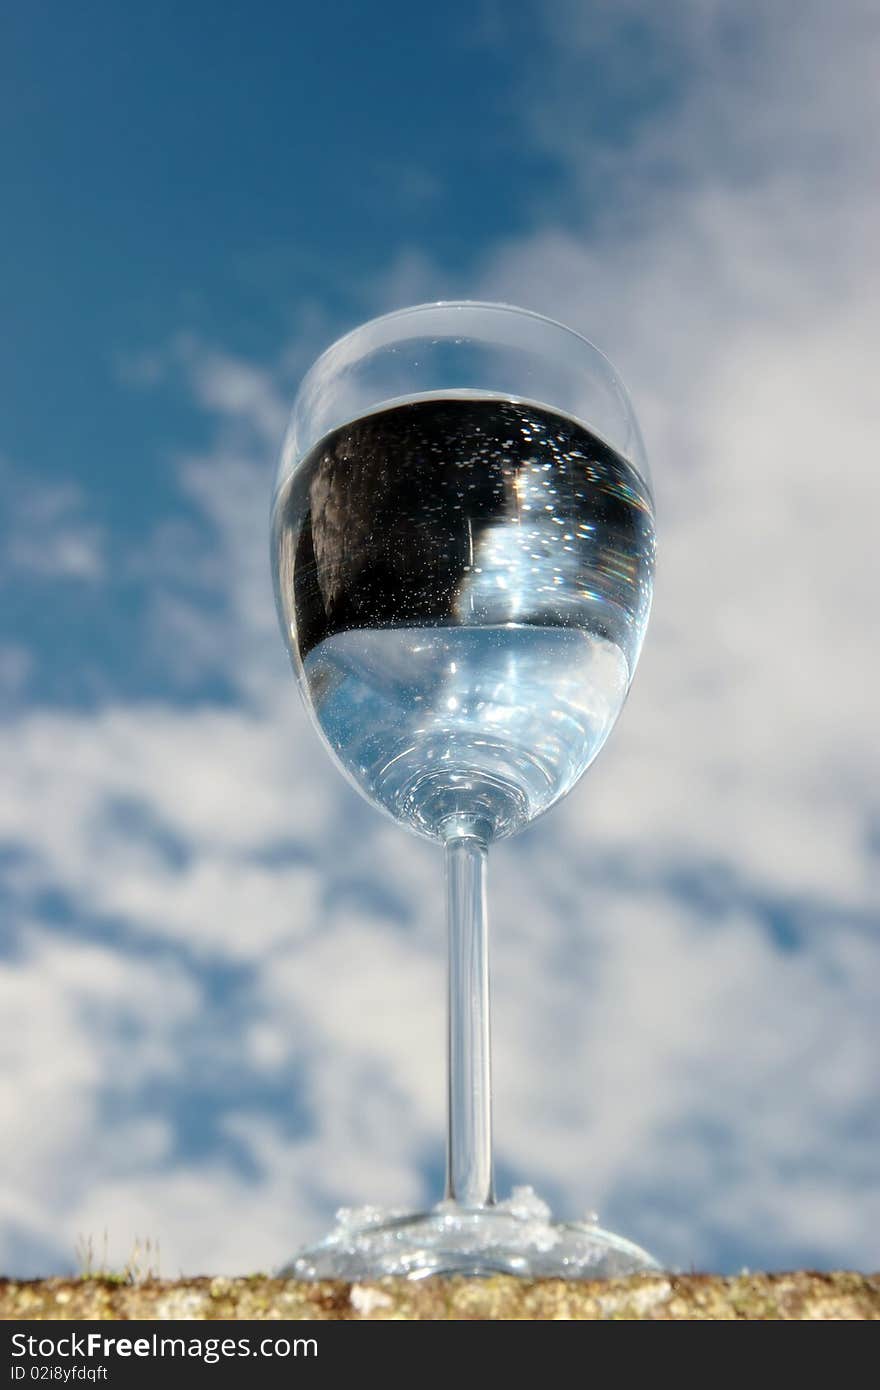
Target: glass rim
435, 320
493, 305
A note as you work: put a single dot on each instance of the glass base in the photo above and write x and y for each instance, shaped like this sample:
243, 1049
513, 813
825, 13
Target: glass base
515, 1237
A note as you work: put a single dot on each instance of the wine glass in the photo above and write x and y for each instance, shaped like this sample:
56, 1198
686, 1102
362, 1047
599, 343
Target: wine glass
463, 552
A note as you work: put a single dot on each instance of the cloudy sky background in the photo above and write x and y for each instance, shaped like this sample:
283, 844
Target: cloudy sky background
221, 974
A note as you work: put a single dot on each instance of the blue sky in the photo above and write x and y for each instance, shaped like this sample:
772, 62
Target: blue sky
232, 173
221, 976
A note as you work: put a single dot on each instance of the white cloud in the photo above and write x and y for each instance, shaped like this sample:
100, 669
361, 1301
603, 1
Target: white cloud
48, 536
15, 667
235, 389
78, 1022
687, 1054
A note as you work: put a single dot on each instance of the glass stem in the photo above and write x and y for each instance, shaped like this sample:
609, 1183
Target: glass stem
469, 1134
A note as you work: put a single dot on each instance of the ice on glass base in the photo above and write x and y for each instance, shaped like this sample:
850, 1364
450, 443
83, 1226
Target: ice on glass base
516, 1236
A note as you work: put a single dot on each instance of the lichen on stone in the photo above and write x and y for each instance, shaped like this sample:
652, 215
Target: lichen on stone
643, 1297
